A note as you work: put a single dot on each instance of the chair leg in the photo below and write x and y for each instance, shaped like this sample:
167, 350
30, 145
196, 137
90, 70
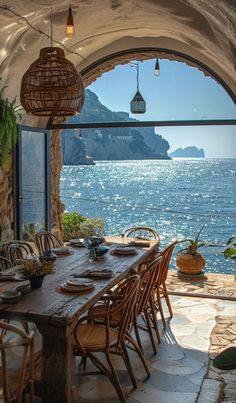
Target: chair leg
112, 375
126, 359
135, 345
149, 329
154, 317
158, 301
137, 335
115, 379
83, 363
166, 296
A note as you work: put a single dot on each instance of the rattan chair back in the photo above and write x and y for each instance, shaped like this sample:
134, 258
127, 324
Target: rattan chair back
17, 250
166, 257
45, 241
4, 263
149, 273
13, 381
141, 232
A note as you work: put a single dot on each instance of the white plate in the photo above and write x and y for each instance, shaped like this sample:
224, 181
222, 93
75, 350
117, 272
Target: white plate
76, 288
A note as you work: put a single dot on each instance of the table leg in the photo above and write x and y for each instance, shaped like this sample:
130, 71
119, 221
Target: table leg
57, 356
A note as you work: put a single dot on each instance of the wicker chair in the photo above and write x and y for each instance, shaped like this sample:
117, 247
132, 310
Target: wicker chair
160, 289
5, 263
17, 250
15, 375
45, 241
92, 337
141, 232
149, 272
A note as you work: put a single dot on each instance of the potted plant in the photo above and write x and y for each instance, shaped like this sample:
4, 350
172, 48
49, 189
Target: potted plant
188, 259
33, 270
92, 227
230, 251
9, 113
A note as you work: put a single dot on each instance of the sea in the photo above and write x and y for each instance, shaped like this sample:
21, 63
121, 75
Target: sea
175, 197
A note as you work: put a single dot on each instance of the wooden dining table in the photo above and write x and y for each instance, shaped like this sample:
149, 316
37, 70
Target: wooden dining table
55, 312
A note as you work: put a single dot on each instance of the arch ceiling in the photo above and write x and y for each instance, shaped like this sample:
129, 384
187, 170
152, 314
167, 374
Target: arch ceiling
202, 30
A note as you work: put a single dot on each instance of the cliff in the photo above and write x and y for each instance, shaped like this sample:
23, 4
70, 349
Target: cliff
109, 144
188, 152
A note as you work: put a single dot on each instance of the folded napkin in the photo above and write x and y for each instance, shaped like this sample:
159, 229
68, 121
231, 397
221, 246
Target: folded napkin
12, 277
140, 242
124, 250
61, 250
103, 273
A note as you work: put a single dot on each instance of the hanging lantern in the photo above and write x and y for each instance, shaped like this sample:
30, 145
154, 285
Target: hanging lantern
70, 28
138, 104
52, 86
157, 68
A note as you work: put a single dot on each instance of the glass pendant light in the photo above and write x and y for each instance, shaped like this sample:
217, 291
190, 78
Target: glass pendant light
70, 28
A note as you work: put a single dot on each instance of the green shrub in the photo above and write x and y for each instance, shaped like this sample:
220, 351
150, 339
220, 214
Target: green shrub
71, 225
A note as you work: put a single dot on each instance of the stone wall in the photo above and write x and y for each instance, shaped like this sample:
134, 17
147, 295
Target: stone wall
56, 166
6, 203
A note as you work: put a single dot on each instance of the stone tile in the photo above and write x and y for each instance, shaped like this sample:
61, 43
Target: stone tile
179, 319
229, 310
205, 329
198, 377
180, 330
199, 355
199, 309
210, 392
170, 382
195, 342
152, 396
168, 352
182, 367
230, 392
185, 302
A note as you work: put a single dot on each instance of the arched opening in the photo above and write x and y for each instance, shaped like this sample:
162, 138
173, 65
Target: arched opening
139, 209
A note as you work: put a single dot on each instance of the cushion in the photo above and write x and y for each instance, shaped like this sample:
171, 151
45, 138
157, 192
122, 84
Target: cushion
226, 359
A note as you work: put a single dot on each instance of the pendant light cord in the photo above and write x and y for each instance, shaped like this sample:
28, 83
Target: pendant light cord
51, 29
137, 76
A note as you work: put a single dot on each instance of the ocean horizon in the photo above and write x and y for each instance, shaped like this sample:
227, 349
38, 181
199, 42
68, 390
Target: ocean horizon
175, 197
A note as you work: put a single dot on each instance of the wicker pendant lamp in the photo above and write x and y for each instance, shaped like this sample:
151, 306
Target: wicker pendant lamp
138, 104
52, 86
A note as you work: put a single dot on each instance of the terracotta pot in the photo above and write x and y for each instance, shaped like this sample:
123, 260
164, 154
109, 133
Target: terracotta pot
190, 264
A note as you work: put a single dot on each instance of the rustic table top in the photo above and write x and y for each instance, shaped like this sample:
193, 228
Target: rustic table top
49, 304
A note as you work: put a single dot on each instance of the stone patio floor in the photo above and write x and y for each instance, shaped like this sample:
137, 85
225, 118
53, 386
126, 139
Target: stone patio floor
181, 371
204, 323
218, 285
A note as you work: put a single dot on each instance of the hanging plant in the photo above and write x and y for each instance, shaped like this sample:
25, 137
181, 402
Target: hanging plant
9, 113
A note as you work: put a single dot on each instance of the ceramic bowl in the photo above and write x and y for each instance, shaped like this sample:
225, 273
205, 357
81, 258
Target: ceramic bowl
10, 297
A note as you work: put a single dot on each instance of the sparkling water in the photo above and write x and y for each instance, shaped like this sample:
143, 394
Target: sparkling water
174, 197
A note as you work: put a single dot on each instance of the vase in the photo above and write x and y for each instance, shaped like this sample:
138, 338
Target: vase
190, 264
36, 282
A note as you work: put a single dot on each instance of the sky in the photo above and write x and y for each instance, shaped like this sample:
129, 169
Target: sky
180, 92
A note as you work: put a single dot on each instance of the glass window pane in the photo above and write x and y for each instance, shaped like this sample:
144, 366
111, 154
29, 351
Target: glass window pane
33, 180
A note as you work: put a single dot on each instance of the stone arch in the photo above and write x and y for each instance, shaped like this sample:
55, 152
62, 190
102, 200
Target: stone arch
108, 63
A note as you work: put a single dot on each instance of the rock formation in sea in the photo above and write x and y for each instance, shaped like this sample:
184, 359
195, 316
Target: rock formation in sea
74, 149
188, 152
109, 143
